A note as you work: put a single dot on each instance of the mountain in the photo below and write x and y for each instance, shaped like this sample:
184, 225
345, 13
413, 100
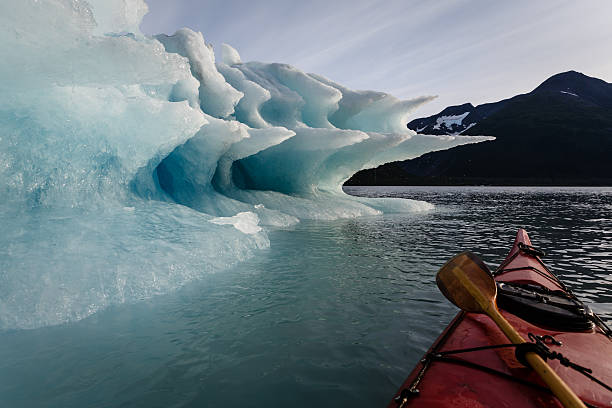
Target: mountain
558, 134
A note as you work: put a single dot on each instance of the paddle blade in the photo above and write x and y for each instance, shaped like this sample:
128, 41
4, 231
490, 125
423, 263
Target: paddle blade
467, 282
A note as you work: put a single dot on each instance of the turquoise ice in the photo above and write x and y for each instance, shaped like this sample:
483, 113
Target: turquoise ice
131, 165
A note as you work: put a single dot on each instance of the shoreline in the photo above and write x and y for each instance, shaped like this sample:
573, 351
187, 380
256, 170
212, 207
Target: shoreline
476, 182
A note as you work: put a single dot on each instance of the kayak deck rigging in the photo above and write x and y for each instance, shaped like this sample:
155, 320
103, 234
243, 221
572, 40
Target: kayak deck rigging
471, 364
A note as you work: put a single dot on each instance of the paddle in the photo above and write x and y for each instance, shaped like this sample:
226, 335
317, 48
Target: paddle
466, 281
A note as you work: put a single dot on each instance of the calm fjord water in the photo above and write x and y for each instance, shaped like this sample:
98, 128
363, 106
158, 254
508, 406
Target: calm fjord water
339, 321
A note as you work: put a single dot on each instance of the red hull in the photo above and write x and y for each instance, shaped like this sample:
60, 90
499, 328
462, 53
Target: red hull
444, 384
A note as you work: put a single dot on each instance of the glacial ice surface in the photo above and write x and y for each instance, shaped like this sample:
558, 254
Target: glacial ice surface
131, 165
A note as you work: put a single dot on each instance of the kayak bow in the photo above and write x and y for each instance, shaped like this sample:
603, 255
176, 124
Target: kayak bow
471, 364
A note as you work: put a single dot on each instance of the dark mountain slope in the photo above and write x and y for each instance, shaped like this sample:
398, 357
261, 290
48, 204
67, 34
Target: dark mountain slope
558, 134
576, 84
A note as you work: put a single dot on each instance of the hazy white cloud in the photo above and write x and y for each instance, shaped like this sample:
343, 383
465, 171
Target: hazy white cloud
462, 50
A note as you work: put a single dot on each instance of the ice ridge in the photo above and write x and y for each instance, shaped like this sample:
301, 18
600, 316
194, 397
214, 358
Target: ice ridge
131, 165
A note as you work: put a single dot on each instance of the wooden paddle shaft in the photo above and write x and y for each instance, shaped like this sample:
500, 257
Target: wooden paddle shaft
561, 390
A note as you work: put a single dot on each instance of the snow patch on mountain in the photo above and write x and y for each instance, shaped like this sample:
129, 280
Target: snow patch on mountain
569, 93
450, 121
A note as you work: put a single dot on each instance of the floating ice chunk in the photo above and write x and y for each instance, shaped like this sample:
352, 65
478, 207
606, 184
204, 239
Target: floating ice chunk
217, 97
246, 222
229, 55
123, 159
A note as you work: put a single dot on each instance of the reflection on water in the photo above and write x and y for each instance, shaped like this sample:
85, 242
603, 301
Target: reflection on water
333, 314
572, 225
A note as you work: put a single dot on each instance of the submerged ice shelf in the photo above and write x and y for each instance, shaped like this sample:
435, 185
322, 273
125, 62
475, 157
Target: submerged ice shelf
130, 165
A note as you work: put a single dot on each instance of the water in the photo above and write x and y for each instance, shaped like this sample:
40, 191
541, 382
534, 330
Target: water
339, 321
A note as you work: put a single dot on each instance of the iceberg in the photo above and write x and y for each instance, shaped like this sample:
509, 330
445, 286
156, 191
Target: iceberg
131, 165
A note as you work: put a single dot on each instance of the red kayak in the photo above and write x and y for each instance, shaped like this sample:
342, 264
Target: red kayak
464, 369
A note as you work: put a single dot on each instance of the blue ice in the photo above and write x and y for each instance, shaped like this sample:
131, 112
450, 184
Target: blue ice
131, 165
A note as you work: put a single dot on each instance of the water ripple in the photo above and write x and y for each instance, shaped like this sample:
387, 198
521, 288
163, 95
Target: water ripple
333, 314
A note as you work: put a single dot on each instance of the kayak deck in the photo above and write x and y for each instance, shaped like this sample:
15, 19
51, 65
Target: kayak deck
494, 377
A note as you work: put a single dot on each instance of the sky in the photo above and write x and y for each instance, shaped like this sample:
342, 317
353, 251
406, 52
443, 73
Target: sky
462, 51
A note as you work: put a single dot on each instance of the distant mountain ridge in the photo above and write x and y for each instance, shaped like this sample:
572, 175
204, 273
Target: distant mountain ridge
455, 120
558, 134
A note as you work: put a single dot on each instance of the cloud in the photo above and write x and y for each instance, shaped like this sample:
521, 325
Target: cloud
469, 50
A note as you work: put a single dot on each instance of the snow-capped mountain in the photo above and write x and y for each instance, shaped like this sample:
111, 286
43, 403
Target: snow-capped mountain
459, 119
558, 134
